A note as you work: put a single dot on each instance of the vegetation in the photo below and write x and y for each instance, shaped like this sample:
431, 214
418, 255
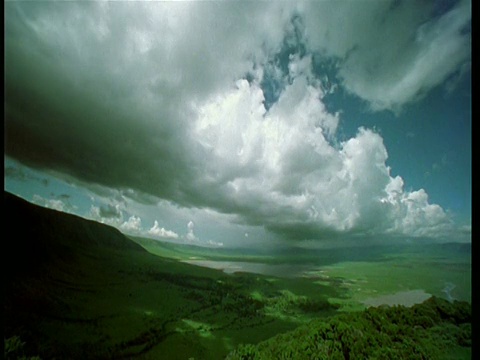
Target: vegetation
435, 329
76, 289
79, 289
15, 350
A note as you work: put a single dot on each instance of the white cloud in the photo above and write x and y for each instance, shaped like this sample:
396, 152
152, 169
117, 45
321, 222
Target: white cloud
422, 218
190, 234
377, 59
278, 167
54, 204
190, 237
214, 243
133, 225
158, 231
94, 213
163, 86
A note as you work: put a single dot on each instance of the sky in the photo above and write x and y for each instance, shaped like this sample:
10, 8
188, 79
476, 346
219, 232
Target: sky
244, 123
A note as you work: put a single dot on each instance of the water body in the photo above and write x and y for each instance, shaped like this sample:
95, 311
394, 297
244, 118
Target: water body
286, 270
405, 298
230, 267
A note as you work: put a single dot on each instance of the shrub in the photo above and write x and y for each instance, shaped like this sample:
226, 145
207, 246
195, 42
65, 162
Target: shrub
15, 349
421, 332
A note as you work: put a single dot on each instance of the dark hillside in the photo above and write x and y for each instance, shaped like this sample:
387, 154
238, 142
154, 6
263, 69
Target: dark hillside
35, 237
76, 289
70, 281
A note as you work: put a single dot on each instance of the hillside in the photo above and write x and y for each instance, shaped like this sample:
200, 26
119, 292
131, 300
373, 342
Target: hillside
77, 289
38, 237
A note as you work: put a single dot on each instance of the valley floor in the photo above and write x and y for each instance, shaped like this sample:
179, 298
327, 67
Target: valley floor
85, 291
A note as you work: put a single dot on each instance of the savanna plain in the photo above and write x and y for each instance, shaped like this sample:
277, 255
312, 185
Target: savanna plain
76, 289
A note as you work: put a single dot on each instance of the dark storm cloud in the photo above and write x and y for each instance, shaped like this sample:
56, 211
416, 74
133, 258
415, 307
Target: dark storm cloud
15, 173
18, 174
94, 93
84, 121
147, 99
110, 211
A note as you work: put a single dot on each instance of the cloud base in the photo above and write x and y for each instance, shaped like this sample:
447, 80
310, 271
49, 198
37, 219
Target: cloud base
183, 116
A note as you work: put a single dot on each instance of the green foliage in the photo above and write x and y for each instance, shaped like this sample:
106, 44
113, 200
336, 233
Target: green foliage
244, 352
425, 331
315, 306
15, 349
80, 290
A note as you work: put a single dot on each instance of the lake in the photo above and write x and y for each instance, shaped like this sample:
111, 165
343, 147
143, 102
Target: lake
231, 267
405, 298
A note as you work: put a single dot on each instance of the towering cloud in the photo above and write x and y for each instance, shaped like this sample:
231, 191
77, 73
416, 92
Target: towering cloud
280, 169
221, 105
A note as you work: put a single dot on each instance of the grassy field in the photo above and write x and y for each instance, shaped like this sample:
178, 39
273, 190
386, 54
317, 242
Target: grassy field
153, 307
366, 280
77, 289
85, 291
442, 270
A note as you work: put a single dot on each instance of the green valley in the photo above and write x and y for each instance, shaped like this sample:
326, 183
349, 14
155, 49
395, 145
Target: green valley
78, 289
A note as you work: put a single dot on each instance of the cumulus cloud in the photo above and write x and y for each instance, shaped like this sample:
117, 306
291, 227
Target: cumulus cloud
190, 234
55, 204
158, 231
169, 101
421, 218
113, 215
133, 225
280, 169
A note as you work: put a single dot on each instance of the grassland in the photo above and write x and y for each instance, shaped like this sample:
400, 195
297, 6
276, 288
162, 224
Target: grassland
86, 291
77, 289
359, 274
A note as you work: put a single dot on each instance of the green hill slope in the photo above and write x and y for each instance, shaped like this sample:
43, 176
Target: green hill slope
77, 289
